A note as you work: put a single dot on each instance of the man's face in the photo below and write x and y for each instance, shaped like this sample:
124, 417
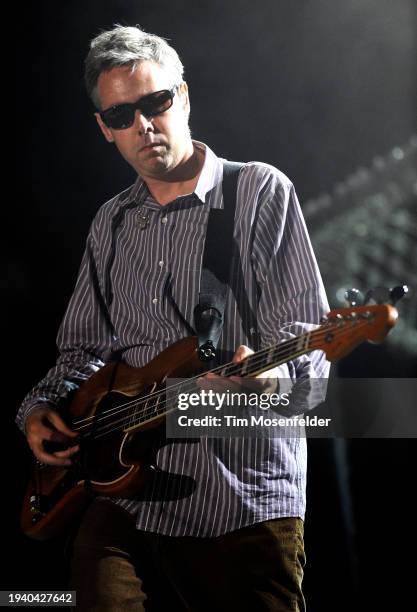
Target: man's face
153, 146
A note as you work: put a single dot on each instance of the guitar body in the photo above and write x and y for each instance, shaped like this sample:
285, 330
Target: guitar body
117, 463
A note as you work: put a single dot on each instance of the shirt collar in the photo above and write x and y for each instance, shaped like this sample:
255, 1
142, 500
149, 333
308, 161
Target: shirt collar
210, 176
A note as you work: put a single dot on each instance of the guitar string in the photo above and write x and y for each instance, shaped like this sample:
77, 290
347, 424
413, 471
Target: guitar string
152, 411
146, 413
279, 351
143, 418
156, 410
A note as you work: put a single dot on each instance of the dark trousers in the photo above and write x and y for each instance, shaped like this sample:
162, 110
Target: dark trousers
117, 567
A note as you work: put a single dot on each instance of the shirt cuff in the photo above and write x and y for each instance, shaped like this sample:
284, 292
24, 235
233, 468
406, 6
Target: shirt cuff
28, 408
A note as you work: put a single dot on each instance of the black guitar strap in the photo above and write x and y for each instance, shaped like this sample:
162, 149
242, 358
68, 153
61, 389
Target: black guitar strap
216, 268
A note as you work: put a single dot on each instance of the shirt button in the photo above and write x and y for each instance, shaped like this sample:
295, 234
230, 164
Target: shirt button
155, 300
160, 264
164, 220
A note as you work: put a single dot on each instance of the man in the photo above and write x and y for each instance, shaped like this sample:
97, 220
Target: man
230, 535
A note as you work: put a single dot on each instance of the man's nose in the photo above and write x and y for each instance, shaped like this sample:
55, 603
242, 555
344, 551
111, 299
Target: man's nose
142, 123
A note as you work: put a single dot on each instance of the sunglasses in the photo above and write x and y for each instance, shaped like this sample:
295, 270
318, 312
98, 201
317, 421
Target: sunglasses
123, 116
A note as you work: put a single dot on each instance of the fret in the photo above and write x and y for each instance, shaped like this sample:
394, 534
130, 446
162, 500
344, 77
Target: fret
148, 407
258, 362
244, 368
231, 369
300, 343
278, 353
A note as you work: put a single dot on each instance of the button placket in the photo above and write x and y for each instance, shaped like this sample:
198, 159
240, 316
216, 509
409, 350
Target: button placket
161, 261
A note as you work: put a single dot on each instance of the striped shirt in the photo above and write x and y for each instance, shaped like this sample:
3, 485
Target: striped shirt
136, 292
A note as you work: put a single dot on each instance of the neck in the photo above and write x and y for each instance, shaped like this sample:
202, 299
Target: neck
154, 406
179, 181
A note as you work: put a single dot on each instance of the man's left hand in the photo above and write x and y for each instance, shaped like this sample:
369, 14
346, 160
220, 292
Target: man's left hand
266, 382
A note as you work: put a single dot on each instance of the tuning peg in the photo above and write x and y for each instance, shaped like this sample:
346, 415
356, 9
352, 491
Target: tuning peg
353, 297
378, 295
382, 295
397, 293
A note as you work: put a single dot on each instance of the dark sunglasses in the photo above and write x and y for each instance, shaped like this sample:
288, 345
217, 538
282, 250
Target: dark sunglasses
123, 116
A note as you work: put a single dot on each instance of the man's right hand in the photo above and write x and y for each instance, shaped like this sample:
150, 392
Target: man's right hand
44, 424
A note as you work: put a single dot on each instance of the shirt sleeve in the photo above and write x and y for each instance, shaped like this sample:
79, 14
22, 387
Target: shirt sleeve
84, 340
292, 296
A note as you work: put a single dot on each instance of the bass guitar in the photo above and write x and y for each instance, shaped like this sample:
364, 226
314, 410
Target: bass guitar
120, 412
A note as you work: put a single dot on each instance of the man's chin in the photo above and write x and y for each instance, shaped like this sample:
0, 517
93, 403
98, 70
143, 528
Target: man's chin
153, 167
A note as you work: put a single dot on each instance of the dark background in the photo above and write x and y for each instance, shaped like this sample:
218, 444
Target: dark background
316, 88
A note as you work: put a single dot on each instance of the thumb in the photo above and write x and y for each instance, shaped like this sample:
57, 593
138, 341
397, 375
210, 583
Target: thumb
59, 424
241, 353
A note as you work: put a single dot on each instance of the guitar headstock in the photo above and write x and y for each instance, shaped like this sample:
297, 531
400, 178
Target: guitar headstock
345, 328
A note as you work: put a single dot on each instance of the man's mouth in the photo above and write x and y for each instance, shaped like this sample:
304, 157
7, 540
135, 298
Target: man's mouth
151, 145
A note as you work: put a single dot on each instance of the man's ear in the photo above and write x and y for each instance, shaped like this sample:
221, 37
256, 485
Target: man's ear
185, 98
103, 127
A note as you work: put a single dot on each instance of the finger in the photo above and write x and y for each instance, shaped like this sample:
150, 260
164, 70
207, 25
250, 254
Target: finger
43, 428
48, 458
60, 425
257, 385
220, 386
206, 381
68, 452
43, 439
51, 460
45, 433
241, 353
56, 436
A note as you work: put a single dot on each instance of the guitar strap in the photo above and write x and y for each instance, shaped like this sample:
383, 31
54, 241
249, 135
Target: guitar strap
216, 268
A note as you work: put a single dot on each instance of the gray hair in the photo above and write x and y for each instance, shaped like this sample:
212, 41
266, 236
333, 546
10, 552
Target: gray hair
128, 46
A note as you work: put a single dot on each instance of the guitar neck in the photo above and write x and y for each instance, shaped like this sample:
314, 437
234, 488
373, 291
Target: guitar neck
257, 363
275, 355
338, 334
